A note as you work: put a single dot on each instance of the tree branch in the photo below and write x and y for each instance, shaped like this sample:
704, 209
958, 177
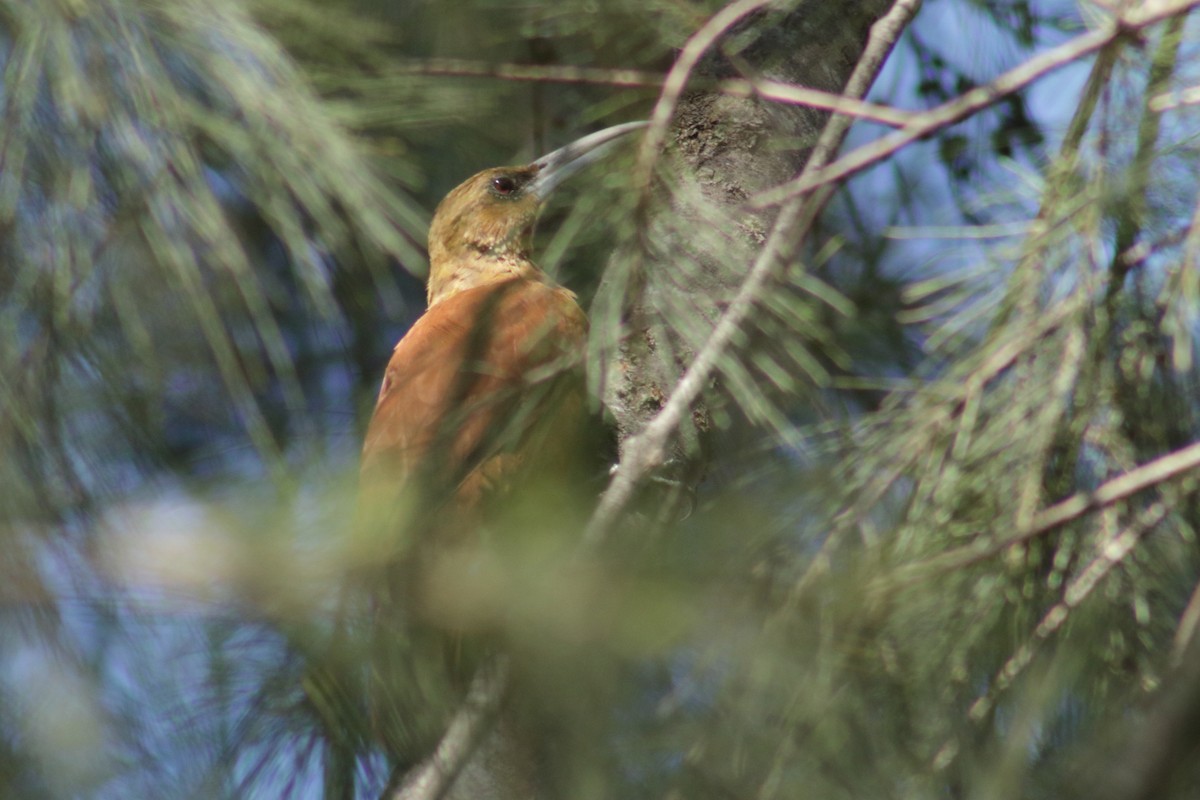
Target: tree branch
1119, 488
1111, 553
776, 91
434, 776
1130, 223
973, 101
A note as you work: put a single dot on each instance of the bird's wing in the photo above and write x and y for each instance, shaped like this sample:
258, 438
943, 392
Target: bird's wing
472, 383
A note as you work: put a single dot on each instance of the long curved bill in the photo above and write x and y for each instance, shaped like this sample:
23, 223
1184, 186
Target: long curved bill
554, 168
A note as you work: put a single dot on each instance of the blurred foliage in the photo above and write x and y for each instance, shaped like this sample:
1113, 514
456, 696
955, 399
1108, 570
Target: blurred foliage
211, 216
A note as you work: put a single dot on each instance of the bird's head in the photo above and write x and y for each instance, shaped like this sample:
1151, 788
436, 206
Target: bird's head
481, 231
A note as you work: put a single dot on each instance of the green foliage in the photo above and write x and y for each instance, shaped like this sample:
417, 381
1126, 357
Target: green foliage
911, 571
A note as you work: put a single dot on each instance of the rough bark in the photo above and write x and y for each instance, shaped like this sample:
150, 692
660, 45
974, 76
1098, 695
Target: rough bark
726, 148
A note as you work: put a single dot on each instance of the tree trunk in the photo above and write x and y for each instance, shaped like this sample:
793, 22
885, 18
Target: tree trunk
726, 148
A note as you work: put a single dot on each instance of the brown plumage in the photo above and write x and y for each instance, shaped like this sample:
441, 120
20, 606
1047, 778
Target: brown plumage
466, 385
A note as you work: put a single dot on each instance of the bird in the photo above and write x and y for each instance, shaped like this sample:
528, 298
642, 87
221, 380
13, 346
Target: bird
485, 392
483, 396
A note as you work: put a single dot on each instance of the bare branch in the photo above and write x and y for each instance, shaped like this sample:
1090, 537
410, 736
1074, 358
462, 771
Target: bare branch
1129, 224
814, 98
432, 779
1112, 552
776, 91
1185, 633
1158, 471
973, 101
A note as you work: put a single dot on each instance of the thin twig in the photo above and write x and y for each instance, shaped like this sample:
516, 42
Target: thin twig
1130, 223
1109, 555
973, 101
434, 776
1119, 488
646, 449
776, 91
1186, 631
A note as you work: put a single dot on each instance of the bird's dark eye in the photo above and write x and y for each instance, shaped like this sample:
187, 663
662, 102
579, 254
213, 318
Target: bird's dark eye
504, 185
